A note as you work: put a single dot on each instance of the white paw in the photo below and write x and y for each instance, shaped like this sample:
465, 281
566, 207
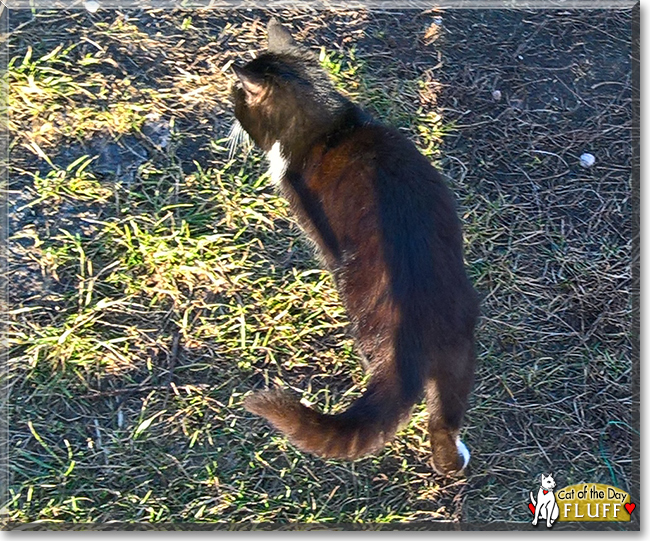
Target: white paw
463, 451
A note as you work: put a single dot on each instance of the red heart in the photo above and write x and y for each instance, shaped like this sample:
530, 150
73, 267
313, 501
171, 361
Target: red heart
532, 508
629, 507
546, 492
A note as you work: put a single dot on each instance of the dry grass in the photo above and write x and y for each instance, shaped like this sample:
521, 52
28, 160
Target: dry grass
154, 283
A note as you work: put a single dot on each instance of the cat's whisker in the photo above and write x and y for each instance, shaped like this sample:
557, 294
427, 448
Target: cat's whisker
231, 149
231, 130
247, 142
234, 139
231, 145
240, 140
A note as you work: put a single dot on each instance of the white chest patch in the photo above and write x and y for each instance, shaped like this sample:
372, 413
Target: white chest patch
277, 163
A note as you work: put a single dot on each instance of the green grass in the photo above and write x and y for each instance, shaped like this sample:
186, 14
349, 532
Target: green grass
405, 103
188, 291
146, 301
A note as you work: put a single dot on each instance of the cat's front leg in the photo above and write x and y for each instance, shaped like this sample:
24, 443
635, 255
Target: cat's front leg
553, 513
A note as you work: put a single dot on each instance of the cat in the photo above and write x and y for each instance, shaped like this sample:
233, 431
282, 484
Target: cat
546, 506
386, 227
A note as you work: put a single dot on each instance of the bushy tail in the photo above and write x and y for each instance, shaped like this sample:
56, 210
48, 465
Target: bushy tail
365, 427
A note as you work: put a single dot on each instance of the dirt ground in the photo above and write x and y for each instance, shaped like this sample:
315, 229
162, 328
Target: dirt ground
505, 102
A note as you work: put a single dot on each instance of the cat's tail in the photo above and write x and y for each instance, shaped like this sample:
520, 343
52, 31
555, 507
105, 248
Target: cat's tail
532, 499
366, 426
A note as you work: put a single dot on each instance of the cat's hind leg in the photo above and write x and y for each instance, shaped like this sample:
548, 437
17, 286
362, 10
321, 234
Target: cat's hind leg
447, 392
539, 511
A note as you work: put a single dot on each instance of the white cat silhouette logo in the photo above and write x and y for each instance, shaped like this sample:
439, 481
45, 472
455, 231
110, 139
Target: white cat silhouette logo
545, 507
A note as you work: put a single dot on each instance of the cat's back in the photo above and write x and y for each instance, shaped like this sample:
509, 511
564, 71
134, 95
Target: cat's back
374, 173
381, 200
379, 157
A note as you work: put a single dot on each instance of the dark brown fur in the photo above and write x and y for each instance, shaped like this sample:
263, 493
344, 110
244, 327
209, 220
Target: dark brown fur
387, 228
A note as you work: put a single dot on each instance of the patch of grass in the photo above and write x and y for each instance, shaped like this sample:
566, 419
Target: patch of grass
61, 96
406, 103
191, 290
74, 183
155, 282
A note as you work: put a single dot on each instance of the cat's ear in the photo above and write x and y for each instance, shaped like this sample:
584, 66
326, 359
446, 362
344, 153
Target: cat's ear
252, 83
280, 39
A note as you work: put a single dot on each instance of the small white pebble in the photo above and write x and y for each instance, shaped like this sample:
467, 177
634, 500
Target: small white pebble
496, 95
91, 5
587, 160
437, 20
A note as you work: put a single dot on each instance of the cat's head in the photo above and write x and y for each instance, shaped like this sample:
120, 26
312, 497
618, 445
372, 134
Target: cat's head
548, 482
283, 93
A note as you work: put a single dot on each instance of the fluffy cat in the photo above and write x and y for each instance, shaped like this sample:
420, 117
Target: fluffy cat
387, 229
